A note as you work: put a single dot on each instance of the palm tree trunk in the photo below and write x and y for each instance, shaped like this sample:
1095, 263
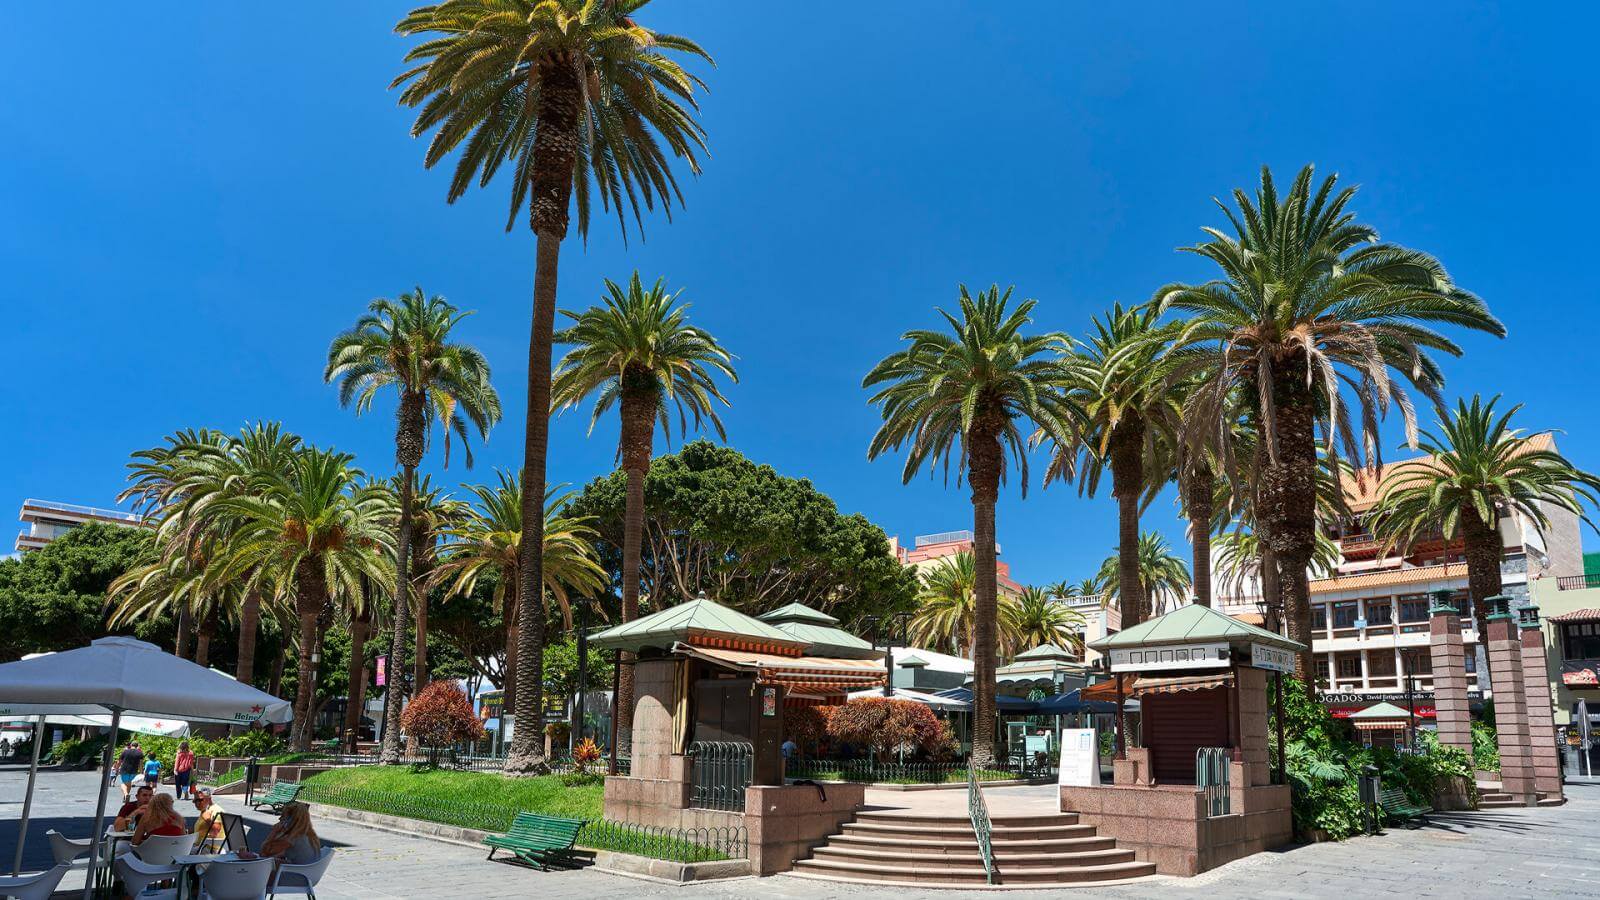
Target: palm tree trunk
1127, 483
313, 596
1484, 550
203, 637
181, 646
275, 686
419, 678
1201, 491
509, 676
355, 695
1289, 504
638, 433
984, 478
555, 83
396, 666
249, 628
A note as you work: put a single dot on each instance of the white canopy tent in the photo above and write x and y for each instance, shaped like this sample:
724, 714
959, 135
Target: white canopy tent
137, 724
118, 675
907, 694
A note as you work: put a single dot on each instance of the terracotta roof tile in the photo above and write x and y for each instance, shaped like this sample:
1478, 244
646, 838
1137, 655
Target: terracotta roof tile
1388, 578
1577, 615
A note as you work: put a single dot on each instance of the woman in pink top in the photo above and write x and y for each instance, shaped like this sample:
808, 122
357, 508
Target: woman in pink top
182, 769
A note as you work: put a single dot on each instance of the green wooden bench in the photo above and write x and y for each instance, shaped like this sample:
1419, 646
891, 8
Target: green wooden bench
1397, 806
538, 840
281, 795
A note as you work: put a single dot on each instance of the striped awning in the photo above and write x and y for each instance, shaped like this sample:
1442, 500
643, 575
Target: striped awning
1180, 683
804, 674
1380, 724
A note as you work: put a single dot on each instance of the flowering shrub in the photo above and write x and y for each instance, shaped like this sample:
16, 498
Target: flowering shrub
440, 716
807, 725
585, 754
886, 726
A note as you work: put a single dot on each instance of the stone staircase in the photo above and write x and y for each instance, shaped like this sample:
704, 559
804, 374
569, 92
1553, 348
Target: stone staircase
942, 851
1490, 796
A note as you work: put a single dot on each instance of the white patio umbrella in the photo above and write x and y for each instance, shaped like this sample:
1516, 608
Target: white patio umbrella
907, 694
118, 675
136, 724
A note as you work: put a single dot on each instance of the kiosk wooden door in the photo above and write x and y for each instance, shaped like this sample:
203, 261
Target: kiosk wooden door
1176, 725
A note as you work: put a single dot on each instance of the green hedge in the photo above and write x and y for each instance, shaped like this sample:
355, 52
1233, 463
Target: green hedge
251, 743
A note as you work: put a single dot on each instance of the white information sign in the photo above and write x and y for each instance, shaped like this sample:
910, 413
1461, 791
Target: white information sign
1263, 657
1080, 758
1170, 656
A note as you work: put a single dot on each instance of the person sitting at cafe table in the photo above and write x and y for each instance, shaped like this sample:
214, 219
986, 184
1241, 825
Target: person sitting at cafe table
133, 809
293, 840
159, 818
208, 833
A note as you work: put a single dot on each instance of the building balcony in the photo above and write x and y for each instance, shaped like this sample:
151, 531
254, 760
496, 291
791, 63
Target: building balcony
1577, 582
27, 541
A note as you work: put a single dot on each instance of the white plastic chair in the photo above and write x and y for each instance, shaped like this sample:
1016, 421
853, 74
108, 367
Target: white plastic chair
159, 849
136, 874
242, 880
68, 851
38, 886
302, 878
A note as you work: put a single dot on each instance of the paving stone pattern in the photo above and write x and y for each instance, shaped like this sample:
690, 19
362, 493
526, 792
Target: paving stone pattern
1550, 852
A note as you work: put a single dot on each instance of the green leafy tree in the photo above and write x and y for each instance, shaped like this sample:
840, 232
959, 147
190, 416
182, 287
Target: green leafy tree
964, 395
405, 343
638, 352
1478, 468
54, 598
1119, 382
1163, 577
1309, 324
579, 99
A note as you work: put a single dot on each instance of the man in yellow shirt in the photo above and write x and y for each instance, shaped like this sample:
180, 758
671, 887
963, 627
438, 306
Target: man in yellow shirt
208, 833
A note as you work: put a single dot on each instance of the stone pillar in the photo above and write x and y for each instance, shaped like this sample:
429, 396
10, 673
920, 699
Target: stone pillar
1536, 688
1454, 718
1510, 703
1254, 763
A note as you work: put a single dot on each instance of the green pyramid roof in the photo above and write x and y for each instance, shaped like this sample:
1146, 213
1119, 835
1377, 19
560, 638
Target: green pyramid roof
678, 623
1043, 653
1382, 711
1193, 624
797, 612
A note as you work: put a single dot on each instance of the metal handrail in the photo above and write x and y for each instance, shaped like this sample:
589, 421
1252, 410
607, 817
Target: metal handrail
978, 812
1577, 582
1211, 776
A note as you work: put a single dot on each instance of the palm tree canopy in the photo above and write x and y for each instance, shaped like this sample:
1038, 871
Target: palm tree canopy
405, 343
983, 375
477, 80
1238, 558
488, 537
1478, 462
1164, 573
1038, 619
1308, 293
947, 605
639, 342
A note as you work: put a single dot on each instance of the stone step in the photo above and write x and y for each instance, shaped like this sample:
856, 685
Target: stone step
914, 860
969, 844
964, 829
974, 876
999, 822
1551, 801
1501, 804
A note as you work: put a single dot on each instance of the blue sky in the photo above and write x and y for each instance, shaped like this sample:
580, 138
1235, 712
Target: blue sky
195, 199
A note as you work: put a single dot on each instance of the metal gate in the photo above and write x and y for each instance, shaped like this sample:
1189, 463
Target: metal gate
1211, 776
721, 771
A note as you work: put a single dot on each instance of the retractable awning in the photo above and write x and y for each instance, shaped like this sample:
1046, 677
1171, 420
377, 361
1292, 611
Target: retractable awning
1179, 684
810, 674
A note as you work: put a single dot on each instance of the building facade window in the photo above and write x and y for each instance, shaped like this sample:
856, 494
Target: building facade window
1345, 614
1322, 670
1319, 617
1379, 612
1414, 608
1380, 663
1349, 666
1581, 640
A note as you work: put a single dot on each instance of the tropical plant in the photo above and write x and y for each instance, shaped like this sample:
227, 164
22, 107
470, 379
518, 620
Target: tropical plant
405, 343
637, 352
1038, 619
946, 612
1117, 379
571, 93
958, 396
1478, 469
1163, 577
487, 543
318, 530
441, 715
1308, 306
885, 726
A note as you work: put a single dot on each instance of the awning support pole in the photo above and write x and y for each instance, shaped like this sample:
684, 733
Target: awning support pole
27, 799
1122, 749
99, 833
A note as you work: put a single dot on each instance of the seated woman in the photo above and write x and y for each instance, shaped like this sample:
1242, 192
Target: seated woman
160, 818
293, 840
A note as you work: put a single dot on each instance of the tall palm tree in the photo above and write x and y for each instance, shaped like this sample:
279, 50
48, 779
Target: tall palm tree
1311, 307
486, 541
946, 613
317, 529
958, 396
576, 95
637, 352
1118, 380
1037, 619
1478, 469
1163, 579
405, 343
1241, 563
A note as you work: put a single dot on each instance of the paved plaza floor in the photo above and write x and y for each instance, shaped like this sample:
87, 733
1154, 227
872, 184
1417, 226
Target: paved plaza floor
1499, 854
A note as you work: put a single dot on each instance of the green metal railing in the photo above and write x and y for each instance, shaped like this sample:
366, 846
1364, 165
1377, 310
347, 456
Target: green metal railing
674, 844
871, 771
1211, 776
978, 812
721, 772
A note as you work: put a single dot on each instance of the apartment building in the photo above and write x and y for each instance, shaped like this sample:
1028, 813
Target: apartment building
1370, 614
1099, 620
46, 520
928, 549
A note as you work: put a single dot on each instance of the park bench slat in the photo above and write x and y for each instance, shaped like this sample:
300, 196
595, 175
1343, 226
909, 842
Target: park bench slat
537, 839
1396, 805
282, 794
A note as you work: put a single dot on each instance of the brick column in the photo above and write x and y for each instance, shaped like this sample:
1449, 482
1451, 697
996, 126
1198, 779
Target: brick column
1449, 674
1536, 688
1510, 703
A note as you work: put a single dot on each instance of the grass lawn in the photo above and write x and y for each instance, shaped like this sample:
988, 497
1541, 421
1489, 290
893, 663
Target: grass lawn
445, 789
